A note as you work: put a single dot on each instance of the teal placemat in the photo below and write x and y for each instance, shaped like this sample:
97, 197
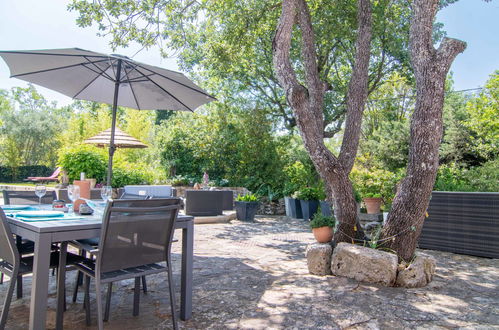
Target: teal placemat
65, 217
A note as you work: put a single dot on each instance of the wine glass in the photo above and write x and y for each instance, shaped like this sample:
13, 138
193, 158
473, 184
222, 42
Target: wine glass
40, 191
106, 192
73, 195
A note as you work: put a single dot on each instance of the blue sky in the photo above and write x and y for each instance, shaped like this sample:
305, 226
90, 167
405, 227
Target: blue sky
36, 24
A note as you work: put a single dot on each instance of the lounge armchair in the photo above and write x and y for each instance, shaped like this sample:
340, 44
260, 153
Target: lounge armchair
54, 177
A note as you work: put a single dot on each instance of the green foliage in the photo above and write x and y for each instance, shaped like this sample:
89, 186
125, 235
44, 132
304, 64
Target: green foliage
83, 158
126, 176
483, 178
247, 198
235, 147
310, 193
320, 220
228, 44
483, 120
375, 182
373, 243
30, 127
180, 180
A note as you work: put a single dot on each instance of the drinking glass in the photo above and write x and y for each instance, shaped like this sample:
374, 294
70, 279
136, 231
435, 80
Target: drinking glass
106, 192
40, 191
73, 195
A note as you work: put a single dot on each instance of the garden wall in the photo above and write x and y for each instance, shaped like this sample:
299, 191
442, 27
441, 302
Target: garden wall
462, 222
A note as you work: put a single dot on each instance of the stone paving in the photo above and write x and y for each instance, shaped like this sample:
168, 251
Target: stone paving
254, 276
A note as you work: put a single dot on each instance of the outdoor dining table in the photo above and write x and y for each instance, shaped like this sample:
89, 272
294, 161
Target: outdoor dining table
44, 233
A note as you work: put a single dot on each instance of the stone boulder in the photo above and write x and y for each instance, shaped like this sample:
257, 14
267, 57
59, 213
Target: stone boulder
418, 273
364, 264
319, 258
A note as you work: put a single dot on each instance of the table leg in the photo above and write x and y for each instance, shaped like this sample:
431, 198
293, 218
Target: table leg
61, 284
39, 286
187, 260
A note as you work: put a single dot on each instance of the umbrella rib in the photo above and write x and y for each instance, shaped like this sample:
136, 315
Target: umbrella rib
99, 70
164, 90
131, 88
91, 81
178, 82
48, 70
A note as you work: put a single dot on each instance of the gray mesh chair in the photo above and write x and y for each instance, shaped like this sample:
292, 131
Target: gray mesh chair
12, 264
136, 236
26, 197
91, 244
22, 198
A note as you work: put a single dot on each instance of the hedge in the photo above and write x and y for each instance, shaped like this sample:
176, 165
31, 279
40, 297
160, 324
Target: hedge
18, 174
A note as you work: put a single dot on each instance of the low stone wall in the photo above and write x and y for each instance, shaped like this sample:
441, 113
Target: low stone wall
369, 265
272, 207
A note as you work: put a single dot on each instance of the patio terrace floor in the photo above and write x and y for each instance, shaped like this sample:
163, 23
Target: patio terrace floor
254, 276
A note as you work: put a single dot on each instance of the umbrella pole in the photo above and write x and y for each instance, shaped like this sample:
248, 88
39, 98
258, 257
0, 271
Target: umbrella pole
112, 148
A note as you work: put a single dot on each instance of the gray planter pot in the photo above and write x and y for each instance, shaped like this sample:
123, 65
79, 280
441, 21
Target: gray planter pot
293, 208
245, 211
326, 209
308, 208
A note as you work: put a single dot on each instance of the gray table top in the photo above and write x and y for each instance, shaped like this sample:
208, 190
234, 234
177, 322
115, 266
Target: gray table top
88, 222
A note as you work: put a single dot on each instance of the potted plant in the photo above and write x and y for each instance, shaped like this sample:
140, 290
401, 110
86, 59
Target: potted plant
373, 202
322, 227
246, 207
309, 200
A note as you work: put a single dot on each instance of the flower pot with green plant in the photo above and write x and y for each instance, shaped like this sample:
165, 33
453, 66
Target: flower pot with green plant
322, 227
246, 207
309, 200
373, 203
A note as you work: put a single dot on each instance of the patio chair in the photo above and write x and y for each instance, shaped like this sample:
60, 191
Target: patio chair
24, 246
91, 244
158, 191
14, 265
136, 236
26, 197
54, 177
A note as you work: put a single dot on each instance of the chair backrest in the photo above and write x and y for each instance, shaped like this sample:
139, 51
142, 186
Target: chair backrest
158, 191
136, 232
26, 197
126, 195
8, 249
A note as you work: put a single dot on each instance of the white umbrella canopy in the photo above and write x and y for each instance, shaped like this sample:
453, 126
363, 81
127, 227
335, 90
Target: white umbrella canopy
121, 139
112, 79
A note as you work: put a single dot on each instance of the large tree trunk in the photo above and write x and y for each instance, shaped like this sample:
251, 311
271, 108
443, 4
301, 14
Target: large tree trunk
431, 66
307, 105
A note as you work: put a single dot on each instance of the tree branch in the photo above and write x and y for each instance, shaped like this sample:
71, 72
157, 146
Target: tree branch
358, 87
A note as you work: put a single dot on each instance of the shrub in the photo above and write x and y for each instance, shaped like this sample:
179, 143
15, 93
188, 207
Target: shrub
375, 182
247, 198
484, 178
320, 220
124, 177
310, 193
83, 158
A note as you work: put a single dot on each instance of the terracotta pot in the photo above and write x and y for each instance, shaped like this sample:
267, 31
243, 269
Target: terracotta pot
323, 234
373, 205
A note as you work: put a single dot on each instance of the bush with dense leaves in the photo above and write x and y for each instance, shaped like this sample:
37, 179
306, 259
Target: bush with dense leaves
83, 158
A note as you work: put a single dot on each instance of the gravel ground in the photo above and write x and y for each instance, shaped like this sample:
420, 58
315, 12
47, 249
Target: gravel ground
254, 276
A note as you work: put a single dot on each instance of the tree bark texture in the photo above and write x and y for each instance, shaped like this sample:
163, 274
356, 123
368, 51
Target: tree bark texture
430, 66
307, 104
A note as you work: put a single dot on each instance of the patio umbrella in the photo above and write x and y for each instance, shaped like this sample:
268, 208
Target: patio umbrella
112, 79
121, 139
